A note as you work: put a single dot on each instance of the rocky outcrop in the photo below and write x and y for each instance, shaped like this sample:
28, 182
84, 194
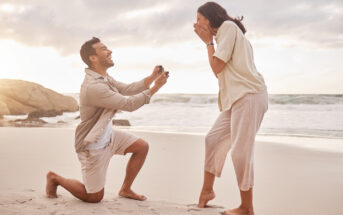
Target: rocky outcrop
121, 122
33, 122
19, 97
44, 113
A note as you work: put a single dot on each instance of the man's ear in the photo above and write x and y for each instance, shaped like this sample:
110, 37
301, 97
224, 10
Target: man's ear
92, 58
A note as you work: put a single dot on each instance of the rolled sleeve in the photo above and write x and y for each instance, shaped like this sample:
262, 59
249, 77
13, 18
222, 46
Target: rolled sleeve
226, 38
101, 95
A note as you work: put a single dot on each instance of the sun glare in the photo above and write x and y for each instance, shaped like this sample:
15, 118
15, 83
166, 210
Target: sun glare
9, 8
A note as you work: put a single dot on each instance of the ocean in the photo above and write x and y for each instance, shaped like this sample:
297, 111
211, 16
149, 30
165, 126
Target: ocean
288, 115
302, 116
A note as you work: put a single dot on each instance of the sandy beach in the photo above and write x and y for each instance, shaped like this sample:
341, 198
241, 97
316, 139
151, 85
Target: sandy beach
288, 179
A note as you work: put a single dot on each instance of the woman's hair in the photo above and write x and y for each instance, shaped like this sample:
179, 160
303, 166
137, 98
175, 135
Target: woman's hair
88, 50
216, 14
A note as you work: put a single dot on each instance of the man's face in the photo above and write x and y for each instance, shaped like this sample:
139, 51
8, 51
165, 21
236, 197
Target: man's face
103, 54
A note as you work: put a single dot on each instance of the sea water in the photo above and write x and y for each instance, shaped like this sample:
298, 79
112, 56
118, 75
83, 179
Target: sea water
315, 117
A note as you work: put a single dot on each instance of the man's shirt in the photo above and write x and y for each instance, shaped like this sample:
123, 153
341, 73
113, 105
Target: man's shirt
100, 98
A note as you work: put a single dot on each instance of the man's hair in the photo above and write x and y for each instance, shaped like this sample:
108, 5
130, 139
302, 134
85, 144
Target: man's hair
88, 50
216, 14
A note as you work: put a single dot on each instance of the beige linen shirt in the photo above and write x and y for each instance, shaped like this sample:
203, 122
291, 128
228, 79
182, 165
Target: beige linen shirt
100, 98
239, 76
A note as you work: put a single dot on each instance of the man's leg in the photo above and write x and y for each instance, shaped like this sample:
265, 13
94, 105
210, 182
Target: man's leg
139, 150
75, 187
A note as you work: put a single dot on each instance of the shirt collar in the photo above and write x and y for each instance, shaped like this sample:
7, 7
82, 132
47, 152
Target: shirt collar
93, 74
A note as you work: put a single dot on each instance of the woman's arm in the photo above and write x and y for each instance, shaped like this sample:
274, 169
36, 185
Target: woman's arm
216, 64
206, 36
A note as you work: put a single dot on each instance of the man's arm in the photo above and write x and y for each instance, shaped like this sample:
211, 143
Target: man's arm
101, 95
136, 87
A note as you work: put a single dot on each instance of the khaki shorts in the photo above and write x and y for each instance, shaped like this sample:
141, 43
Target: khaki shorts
94, 163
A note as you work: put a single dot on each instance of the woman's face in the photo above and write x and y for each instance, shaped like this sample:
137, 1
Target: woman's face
202, 21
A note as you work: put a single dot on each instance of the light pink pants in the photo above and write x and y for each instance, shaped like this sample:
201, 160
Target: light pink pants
236, 128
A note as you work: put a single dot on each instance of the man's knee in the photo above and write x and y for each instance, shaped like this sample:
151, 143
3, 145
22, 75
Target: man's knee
143, 146
95, 197
140, 146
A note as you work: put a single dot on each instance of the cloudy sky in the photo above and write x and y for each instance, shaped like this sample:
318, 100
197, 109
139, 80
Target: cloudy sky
298, 44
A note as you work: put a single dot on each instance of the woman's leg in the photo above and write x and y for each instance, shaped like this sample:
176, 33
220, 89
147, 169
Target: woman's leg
246, 118
217, 144
207, 192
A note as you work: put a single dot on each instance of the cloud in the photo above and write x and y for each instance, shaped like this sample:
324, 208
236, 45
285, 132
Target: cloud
315, 23
64, 24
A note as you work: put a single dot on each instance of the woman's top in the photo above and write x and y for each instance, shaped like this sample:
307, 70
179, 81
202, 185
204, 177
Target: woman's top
239, 76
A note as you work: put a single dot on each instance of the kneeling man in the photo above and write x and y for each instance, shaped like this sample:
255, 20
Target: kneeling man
95, 140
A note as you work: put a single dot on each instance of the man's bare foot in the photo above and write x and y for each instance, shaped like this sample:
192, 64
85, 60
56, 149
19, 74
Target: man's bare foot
205, 197
51, 185
131, 195
239, 211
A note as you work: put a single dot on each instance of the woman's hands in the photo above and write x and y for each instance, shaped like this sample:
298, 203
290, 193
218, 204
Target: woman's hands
204, 32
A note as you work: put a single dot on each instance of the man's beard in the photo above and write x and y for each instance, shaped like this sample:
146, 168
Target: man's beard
106, 63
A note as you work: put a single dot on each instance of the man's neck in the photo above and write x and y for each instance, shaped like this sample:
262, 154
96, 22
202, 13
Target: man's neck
101, 71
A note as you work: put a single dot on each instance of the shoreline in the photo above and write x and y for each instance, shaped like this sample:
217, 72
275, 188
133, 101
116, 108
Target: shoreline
332, 144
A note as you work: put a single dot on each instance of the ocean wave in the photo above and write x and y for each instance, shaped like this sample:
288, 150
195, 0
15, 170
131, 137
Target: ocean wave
282, 99
279, 99
313, 99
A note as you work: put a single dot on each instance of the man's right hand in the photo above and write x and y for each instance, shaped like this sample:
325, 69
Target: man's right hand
159, 82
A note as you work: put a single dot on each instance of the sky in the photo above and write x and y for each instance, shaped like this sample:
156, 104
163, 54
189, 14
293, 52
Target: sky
298, 44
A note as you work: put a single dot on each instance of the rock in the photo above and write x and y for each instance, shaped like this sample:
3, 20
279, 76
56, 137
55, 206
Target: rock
19, 97
61, 122
3, 108
78, 117
44, 113
33, 122
121, 122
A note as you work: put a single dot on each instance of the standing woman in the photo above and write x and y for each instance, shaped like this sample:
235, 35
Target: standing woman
242, 100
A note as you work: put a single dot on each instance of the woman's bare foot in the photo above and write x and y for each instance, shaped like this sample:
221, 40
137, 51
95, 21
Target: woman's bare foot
239, 211
51, 185
131, 195
205, 197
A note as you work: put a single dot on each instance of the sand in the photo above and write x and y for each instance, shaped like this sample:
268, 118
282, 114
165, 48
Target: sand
288, 179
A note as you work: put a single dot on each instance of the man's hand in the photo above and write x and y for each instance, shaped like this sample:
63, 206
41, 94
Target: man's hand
155, 74
159, 82
157, 71
161, 79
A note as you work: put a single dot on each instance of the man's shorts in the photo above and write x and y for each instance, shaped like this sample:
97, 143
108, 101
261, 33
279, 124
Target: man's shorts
94, 162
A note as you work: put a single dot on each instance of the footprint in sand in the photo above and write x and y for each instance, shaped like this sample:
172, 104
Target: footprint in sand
23, 201
195, 206
193, 209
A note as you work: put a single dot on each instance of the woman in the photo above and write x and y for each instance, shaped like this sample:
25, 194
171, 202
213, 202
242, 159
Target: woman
242, 100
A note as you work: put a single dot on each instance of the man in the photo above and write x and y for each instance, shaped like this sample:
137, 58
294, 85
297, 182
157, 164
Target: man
95, 140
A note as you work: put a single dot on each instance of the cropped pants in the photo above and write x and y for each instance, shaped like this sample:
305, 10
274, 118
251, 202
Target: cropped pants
236, 129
